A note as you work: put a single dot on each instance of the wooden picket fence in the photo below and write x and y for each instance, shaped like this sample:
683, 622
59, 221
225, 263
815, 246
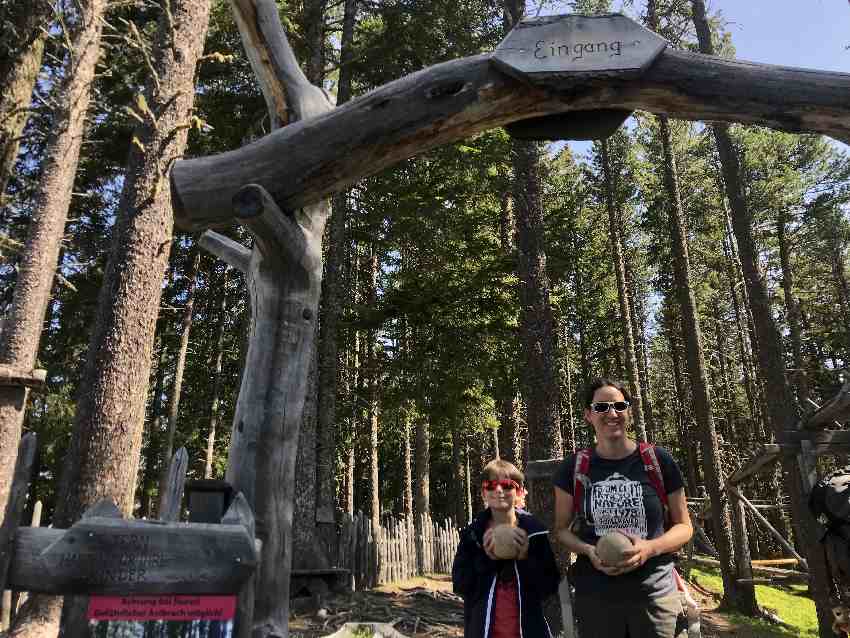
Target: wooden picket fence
400, 550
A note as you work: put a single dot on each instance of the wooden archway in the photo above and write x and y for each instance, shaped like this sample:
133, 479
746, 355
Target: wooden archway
277, 188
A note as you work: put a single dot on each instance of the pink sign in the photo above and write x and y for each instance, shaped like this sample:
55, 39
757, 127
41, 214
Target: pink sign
163, 607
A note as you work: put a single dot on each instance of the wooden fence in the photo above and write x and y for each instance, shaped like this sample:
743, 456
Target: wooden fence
398, 551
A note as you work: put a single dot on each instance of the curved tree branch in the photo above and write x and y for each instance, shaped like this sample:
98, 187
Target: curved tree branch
230, 252
310, 159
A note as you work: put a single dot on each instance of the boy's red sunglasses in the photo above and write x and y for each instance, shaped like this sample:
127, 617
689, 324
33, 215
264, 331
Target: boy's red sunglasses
505, 484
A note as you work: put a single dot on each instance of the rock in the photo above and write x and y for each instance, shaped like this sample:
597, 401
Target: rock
611, 546
503, 541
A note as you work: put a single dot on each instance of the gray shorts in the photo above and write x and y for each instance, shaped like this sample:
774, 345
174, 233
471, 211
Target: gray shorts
649, 618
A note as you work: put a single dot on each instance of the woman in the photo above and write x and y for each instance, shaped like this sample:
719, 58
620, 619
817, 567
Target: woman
621, 485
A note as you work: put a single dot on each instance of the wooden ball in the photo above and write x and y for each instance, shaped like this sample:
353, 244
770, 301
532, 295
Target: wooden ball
611, 547
503, 542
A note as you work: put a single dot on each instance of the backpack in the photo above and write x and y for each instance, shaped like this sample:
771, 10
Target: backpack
650, 464
829, 502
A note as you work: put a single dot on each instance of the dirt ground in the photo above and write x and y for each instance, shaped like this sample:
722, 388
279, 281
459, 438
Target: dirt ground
426, 607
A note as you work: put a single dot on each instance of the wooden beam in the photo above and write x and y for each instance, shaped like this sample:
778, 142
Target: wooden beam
771, 571
17, 499
306, 161
768, 454
836, 409
761, 519
19, 376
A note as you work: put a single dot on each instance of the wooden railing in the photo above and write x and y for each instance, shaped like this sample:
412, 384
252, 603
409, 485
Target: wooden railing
398, 551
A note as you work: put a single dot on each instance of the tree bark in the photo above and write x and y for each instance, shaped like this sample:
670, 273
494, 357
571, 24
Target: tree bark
537, 325
623, 294
739, 596
21, 53
110, 410
781, 409
180, 366
24, 322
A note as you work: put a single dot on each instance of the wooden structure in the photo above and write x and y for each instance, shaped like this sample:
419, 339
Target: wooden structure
400, 551
810, 440
105, 554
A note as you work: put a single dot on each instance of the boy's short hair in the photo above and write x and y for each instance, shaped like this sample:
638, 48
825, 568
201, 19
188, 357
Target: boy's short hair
500, 469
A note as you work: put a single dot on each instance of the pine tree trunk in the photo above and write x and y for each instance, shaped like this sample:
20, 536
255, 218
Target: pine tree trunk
24, 322
743, 345
737, 595
177, 387
215, 400
408, 468
110, 410
21, 53
459, 474
372, 389
332, 293
537, 325
792, 311
781, 409
623, 296
842, 289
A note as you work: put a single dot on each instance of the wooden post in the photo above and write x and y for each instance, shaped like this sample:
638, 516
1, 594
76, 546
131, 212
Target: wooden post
761, 519
239, 513
17, 500
172, 494
541, 503
12, 517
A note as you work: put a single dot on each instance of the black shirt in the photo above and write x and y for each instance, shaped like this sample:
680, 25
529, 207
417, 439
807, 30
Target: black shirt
622, 497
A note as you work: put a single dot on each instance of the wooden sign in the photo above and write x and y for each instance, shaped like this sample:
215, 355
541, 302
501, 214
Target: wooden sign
553, 46
114, 556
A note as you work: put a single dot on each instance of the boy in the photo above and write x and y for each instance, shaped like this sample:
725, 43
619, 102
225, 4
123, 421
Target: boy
504, 598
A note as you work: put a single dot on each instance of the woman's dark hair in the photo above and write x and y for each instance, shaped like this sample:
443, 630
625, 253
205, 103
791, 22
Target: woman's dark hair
602, 382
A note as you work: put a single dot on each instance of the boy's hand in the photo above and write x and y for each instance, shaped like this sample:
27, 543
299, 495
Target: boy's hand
489, 544
522, 543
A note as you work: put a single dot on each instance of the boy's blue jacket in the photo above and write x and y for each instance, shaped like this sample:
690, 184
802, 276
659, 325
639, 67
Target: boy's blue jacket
474, 577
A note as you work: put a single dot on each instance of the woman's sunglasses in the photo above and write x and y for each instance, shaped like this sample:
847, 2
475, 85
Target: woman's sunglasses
506, 484
601, 407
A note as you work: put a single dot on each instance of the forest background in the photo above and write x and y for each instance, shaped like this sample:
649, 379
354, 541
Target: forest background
428, 380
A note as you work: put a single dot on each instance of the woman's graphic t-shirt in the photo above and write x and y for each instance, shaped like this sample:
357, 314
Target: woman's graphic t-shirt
621, 497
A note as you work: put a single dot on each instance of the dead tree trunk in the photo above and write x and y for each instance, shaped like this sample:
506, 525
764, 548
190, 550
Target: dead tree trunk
24, 322
216, 389
623, 294
180, 366
284, 273
781, 409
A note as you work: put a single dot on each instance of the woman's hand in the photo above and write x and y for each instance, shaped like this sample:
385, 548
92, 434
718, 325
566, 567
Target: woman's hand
610, 570
640, 552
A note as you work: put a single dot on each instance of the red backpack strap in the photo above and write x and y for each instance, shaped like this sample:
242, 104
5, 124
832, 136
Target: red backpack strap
581, 478
653, 470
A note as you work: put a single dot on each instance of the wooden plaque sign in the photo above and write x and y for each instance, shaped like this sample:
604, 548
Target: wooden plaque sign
114, 556
574, 44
